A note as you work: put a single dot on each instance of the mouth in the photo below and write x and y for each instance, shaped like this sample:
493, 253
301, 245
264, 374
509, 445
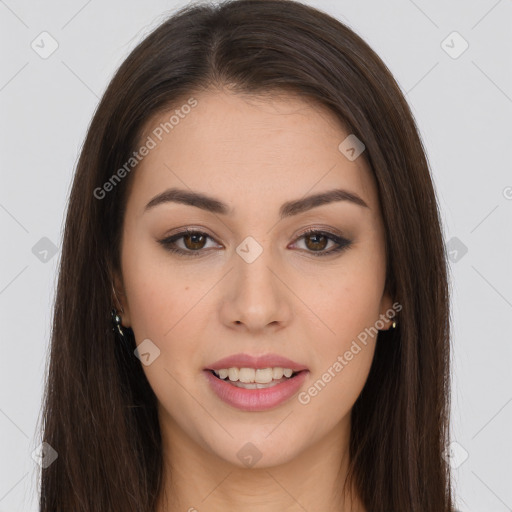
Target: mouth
253, 396
266, 378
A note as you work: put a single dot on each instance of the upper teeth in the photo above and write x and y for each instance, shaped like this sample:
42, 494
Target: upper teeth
262, 376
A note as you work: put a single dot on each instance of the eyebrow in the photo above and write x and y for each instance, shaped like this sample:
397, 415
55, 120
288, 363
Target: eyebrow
288, 209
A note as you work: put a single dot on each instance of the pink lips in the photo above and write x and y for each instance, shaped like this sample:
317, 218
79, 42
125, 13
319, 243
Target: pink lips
248, 361
255, 399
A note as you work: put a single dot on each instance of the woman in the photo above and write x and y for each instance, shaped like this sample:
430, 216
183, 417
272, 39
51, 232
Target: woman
252, 309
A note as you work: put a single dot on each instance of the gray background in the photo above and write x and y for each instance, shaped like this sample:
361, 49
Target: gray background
461, 101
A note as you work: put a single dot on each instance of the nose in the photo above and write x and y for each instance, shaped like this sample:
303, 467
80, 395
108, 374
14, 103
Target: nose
256, 297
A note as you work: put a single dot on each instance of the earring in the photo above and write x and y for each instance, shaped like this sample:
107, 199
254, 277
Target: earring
393, 325
120, 331
117, 326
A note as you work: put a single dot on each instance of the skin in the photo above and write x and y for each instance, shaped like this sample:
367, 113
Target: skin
253, 153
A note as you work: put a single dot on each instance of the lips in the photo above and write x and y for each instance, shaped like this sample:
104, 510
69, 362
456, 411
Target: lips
256, 400
249, 361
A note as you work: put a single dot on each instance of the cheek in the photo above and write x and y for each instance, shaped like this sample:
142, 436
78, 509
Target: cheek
343, 352
343, 302
342, 332
161, 303
166, 306
155, 292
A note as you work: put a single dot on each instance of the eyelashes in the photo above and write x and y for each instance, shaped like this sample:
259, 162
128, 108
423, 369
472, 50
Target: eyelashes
195, 237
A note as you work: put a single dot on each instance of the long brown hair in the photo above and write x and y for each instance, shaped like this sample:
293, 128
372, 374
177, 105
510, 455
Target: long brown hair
99, 411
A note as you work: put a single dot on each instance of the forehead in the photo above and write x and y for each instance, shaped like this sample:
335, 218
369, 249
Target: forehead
252, 147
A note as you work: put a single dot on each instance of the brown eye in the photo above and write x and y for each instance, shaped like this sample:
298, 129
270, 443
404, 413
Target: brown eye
316, 241
189, 243
194, 241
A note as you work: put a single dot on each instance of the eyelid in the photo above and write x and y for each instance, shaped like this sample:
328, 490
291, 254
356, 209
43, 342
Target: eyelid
320, 228
205, 231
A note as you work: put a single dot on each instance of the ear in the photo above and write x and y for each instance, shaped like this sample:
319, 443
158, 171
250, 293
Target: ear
386, 307
119, 299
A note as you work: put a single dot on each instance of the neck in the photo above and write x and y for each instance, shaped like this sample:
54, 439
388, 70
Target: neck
197, 479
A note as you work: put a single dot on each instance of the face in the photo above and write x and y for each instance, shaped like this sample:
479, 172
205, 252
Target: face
250, 280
